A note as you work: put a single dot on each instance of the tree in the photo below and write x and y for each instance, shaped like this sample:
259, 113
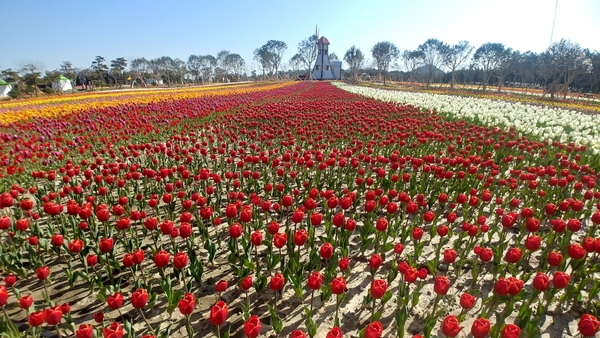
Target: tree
308, 52
223, 65
32, 74
432, 54
67, 70
355, 59
270, 55
99, 68
504, 62
384, 53
263, 57
237, 64
455, 56
488, 57
140, 68
569, 60
296, 63
194, 64
208, 65
333, 57
412, 60
118, 66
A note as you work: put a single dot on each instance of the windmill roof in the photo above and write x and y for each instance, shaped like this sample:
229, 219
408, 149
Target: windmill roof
323, 40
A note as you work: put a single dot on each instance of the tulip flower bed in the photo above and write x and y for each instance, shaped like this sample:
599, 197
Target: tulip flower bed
295, 210
539, 122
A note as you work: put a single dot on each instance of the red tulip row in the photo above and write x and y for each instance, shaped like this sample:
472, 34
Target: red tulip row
304, 191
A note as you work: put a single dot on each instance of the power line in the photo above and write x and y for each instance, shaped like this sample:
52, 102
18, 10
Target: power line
553, 22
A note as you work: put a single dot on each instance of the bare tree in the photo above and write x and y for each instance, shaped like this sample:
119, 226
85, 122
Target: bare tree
488, 57
194, 65
263, 56
308, 51
237, 65
296, 63
355, 60
432, 53
569, 60
384, 53
412, 60
454, 57
208, 65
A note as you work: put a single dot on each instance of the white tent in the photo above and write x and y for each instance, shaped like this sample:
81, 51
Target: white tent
62, 84
5, 88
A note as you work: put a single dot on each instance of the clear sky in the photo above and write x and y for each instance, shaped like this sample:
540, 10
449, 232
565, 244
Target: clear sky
50, 32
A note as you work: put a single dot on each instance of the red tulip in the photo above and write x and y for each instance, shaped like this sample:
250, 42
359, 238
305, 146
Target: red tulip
533, 242
115, 301
4, 296
221, 285
114, 330
37, 318
417, 233
256, 238
326, 250
98, 317
53, 315
300, 237
467, 301
554, 258
344, 263
480, 328
315, 280
105, 245
235, 230
218, 313
180, 260
297, 334
513, 255
85, 331
511, 331
381, 224
280, 240
252, 327
139, 298
335, 332
247, 283
338, 286
588, 325
576, 251
441, 285
277, 282
450, 256
378, 288
187, 304
450, 326
42, 273
374, 330
10, 280
541, 281
375, 261
162, 258
297, 216
24, 302
560, 279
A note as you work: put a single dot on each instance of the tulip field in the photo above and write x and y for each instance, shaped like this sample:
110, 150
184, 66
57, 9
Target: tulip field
309, 209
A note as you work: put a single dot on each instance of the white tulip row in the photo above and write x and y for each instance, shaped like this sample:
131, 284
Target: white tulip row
545, 123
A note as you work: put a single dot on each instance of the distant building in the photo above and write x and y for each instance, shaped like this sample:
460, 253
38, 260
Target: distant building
324, 69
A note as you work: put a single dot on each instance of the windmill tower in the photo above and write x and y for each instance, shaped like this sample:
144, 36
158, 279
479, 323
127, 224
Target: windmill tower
324, 69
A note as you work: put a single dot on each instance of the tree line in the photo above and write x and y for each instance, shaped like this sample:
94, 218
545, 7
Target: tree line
562, 67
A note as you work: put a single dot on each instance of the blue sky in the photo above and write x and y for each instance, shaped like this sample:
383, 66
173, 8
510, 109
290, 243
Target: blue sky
50, 32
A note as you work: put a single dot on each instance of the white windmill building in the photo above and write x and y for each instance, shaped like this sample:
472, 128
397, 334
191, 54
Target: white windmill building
324, 69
